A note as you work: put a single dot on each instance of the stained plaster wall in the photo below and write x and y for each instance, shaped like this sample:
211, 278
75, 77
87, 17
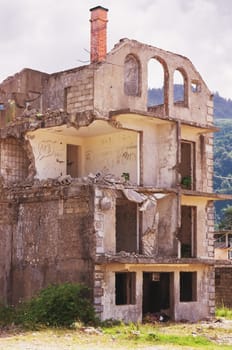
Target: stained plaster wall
158, 225
52, 241
192, 311
167, 226
50, 152
109, 82
205, 303
155, 137
204, 225
104, 221
113, 153
116, 153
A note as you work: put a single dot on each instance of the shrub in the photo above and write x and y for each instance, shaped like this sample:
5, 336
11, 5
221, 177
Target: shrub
7, 315
58, 305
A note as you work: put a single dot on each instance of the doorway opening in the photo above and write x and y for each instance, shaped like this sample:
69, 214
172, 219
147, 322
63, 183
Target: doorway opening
72, 156
157, 294
187, 165
188, 231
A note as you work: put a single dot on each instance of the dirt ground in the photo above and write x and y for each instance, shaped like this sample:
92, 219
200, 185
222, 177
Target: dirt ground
220, 332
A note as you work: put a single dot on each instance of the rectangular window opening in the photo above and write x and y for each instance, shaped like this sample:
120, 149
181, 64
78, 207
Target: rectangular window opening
126, 226
187, 235
187, 165
125, 288
195, 86
188, 286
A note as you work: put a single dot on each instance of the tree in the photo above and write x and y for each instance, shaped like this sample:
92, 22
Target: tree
226, 222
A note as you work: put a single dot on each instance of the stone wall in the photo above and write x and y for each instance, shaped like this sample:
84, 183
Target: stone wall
223, 286
47, 237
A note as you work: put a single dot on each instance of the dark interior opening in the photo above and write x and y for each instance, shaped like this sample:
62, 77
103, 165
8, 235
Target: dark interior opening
187, 165
187, 231
156, 292
125, 288
188, 286
126, 226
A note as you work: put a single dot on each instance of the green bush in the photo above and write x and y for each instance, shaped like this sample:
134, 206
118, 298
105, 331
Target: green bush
58, 306
7, 315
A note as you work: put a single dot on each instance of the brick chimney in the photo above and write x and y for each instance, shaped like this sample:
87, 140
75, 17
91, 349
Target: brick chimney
98, 38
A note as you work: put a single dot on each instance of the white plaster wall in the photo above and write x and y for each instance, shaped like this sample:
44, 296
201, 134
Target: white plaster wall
114, 153
158, 149
221, 253
167, 155
149, 145
50, 152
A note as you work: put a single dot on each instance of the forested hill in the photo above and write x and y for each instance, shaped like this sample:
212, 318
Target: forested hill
222, 107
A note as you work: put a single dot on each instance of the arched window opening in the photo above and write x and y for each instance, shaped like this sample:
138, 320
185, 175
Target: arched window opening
131, 76
156, 83
180, 88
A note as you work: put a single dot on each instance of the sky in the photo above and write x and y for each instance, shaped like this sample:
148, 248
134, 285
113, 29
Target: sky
54, 35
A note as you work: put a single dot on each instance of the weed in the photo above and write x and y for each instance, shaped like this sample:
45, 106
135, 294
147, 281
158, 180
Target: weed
224, 312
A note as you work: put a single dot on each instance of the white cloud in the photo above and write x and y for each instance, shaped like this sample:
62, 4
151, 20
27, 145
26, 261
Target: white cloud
52, 35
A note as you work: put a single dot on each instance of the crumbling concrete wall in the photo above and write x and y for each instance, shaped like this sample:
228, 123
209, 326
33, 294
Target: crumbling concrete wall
105, 297
50, 240
16, 92
127, 64
71, 90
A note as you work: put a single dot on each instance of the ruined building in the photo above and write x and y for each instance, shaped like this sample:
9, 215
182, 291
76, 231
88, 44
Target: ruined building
98, 188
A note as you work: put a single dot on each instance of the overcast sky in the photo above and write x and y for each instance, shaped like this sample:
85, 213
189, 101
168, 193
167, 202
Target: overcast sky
53, 35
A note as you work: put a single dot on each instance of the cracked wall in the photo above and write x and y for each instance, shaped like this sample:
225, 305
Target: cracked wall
47, 237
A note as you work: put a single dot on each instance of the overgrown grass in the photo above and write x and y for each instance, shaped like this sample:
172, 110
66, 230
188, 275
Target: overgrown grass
150, 335
122, 336
224, 312
68, 305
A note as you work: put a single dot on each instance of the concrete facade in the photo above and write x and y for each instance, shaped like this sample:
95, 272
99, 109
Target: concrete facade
96, 187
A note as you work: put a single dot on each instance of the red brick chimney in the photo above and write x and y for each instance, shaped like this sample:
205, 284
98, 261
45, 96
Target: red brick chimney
98, 38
